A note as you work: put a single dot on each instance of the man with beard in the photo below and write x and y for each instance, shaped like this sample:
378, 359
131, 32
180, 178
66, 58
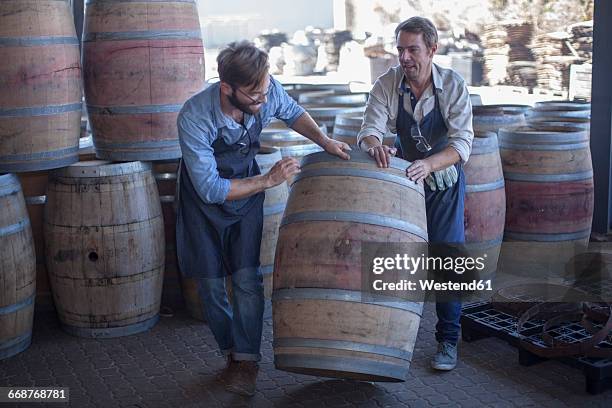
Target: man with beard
221, 195
429, 108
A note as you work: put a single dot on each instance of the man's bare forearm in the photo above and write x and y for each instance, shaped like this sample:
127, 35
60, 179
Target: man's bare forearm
443, 159
246, 187
305, 125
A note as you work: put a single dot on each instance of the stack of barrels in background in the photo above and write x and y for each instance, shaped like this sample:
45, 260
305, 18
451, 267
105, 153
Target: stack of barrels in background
40, 113
141, 61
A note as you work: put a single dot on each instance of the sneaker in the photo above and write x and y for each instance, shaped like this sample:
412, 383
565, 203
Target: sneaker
244, 378
446, 357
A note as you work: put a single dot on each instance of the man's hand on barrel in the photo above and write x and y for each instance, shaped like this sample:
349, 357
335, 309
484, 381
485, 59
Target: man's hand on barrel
419, 170
337, 148
382, 154
282, 171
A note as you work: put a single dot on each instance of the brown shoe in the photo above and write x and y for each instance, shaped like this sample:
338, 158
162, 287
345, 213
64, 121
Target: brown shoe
224, 376
244, 378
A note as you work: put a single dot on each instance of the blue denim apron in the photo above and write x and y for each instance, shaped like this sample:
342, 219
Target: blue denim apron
444, 208
214, 240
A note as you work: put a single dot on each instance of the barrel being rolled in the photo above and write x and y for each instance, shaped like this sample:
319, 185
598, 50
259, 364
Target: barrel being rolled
104, 245
549, 188
274, 206
323, 323
17, 270
485, 199
141, 61
40, 102
347, 127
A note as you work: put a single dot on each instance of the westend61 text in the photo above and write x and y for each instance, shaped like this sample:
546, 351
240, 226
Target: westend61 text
429, 285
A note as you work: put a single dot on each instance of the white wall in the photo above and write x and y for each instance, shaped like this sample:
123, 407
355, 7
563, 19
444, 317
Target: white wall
230, 20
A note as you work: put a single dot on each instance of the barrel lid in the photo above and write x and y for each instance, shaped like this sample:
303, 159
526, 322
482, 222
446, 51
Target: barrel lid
330, 98
101, 168
562, 106
300, 150
283, 136
356, 156
536, 133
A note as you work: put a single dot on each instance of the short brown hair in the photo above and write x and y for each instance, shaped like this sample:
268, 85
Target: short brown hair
242, 64
419, 25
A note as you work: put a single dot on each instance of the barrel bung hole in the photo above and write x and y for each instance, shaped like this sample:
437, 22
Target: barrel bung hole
93, 256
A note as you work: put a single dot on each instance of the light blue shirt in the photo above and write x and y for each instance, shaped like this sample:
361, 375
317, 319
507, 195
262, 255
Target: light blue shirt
201, 121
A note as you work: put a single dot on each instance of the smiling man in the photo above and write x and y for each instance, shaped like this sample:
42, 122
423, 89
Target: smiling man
221, 195
429, 109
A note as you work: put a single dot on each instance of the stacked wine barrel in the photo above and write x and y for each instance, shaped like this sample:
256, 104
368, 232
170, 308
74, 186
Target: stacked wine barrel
549, 191
485, 201
141, 61
104, 238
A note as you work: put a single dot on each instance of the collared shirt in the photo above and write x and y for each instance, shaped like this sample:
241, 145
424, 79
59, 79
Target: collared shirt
455, 105
201, 121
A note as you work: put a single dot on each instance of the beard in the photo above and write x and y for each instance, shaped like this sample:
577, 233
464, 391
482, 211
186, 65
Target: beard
244, 108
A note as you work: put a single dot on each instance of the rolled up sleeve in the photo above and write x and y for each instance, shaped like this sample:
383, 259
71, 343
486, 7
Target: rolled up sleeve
284, 106
460, 131
196, 146
375, 116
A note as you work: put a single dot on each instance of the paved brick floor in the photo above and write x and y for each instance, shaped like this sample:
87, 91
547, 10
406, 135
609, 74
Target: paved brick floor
173, 365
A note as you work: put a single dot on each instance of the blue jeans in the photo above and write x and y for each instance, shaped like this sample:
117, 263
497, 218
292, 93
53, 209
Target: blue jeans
447, 328
237, 328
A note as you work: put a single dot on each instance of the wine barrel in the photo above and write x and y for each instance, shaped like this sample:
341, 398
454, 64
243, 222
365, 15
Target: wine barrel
295, 90
104, 245
40, 102
546, 112
274, 206
485, 200
326, 115
549, 188
321, 316
17, 270
347, 127
165, 173
141, 61
334, 98
289, 142
493, 117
